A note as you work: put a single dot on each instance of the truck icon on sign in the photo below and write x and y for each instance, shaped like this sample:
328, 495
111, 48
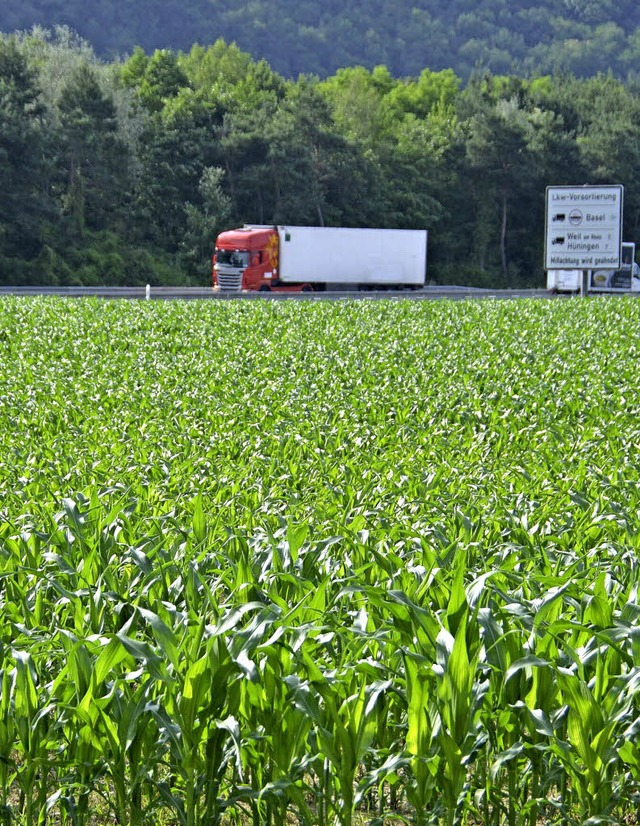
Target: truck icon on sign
559, 239
559, 216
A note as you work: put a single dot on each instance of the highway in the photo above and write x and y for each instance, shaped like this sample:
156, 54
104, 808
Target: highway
191, 293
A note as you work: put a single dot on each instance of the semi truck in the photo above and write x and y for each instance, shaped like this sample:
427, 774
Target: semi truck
624, 280
259, 257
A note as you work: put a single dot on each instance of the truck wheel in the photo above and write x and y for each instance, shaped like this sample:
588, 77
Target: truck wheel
307, 289
264, 288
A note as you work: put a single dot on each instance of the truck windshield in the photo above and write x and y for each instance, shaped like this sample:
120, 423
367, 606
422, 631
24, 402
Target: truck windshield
232, 258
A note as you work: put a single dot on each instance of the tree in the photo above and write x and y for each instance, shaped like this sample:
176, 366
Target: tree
356, 97
301, 36
244, 139
156, 79
401, 128
316, 174
23, 205
607, 139
205, 221
502, 172
422, 96
216, 69
92, 155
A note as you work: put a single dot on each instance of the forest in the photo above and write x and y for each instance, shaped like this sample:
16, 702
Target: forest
295, 37
122, 171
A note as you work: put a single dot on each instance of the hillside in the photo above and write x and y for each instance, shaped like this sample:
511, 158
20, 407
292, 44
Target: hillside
300, 36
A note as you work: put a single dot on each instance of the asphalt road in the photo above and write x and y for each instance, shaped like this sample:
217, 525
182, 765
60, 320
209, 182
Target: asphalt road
186, 293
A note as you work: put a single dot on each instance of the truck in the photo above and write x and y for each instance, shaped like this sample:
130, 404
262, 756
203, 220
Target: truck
564, 281
624, 280
259, 257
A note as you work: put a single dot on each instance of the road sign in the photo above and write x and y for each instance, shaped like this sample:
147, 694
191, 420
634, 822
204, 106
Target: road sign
583, 227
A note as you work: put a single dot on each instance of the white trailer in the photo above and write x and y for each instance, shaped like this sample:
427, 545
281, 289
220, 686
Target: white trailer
352, 256
564, 281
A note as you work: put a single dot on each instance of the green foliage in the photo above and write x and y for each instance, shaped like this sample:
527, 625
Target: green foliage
92, 158
306, 37
22, 142
159, 152
330, 562
205, 223
421, 97
156, 79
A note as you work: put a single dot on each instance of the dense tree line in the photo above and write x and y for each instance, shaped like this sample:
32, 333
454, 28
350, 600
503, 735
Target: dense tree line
518, 37
123, 172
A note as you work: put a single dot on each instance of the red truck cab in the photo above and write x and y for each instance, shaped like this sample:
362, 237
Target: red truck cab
248, 259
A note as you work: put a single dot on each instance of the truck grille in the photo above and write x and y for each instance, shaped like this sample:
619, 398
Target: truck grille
230, 282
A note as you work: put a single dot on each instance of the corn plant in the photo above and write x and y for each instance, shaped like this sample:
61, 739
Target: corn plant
329, 562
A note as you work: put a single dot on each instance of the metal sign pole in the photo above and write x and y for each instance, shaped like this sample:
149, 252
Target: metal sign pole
584, 283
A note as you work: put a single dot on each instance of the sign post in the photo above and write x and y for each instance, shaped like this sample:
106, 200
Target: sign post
583, 228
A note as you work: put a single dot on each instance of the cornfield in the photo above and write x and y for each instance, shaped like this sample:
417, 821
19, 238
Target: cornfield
311, 563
